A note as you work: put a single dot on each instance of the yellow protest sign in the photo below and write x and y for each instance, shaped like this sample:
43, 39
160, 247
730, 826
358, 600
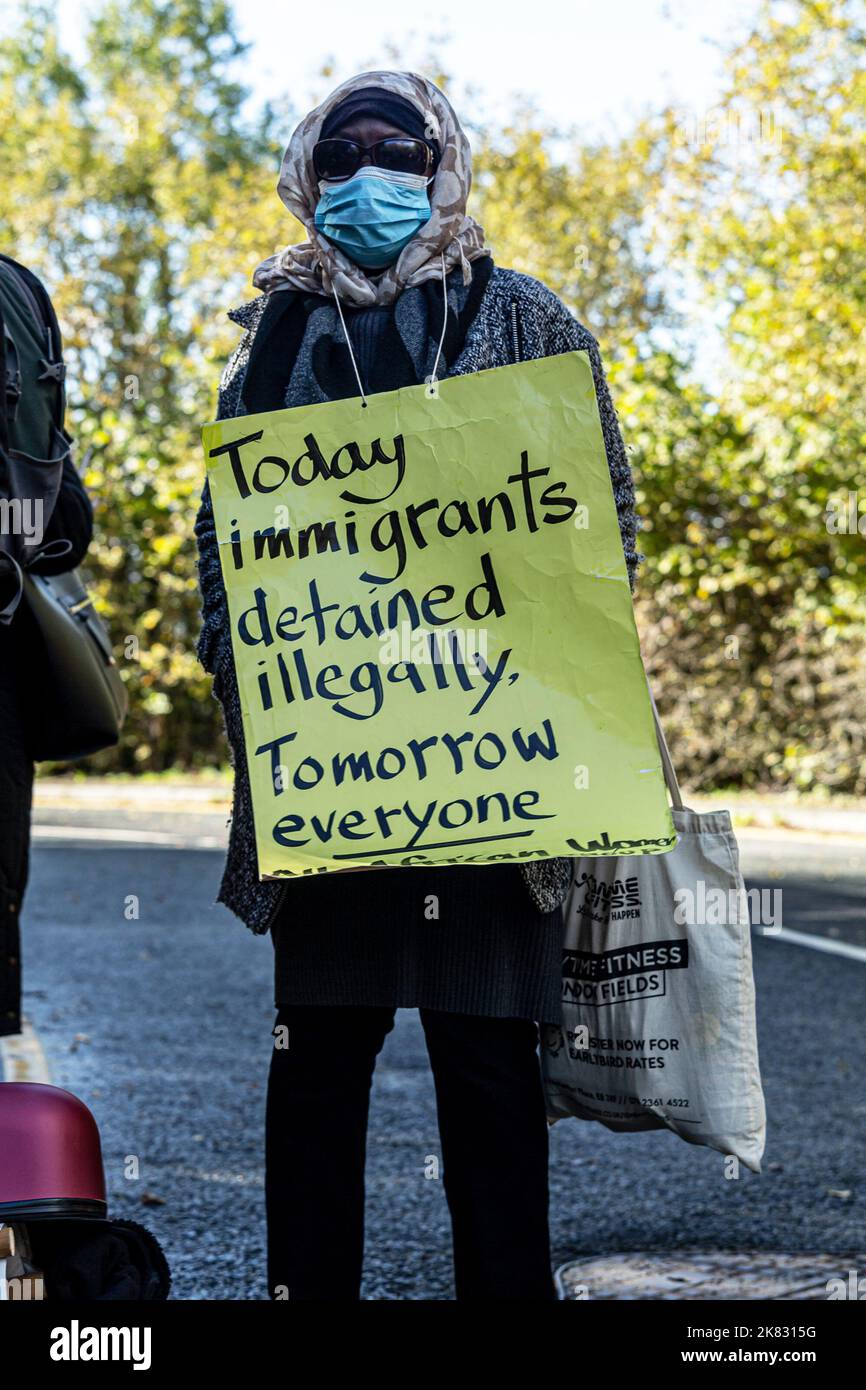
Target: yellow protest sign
432, 627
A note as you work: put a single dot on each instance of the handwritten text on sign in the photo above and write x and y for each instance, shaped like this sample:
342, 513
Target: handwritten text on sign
432, 627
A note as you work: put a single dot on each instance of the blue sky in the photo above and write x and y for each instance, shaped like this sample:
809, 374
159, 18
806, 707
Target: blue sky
583, 62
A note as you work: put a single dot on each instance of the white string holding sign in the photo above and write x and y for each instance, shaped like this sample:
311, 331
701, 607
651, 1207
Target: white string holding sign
432, 381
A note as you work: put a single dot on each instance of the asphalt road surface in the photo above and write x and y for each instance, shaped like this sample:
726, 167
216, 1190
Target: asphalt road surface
161, 1023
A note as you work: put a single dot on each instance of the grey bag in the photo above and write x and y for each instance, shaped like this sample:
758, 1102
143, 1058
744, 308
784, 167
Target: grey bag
658, 999
76, 701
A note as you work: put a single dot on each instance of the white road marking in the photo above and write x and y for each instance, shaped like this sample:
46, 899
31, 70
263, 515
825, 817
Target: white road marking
817, 943
22, 1057
70, 835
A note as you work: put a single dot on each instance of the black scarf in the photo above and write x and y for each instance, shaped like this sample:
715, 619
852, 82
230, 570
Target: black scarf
283, 326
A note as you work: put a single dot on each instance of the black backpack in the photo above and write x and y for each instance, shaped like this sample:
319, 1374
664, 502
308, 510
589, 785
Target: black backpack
75, 701
33, 443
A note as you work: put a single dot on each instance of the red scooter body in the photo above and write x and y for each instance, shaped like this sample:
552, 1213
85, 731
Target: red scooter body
50, 1155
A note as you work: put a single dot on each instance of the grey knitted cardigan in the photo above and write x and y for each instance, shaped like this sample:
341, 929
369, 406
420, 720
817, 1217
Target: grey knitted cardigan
518, 319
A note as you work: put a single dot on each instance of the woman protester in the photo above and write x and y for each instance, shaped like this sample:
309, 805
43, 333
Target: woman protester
31, 427
393, 285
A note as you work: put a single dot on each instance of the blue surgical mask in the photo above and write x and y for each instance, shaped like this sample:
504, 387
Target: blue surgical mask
372, 215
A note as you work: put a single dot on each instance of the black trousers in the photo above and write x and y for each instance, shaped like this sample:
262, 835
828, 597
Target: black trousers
492, 1127
16, 789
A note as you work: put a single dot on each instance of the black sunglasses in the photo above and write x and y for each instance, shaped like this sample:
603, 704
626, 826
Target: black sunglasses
340, 159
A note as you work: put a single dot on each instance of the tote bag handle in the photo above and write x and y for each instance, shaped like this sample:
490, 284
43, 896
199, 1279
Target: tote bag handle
667, 762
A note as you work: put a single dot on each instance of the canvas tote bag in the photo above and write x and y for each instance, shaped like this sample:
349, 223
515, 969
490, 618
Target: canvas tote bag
658, 998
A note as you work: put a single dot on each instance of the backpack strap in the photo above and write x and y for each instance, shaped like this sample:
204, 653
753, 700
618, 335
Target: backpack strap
10, 382
52, 365
32, 398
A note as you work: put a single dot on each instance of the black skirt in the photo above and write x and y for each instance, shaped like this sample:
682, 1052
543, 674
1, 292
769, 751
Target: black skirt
464, 939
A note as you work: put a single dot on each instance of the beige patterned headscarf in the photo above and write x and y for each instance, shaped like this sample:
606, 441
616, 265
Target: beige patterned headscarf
319, 267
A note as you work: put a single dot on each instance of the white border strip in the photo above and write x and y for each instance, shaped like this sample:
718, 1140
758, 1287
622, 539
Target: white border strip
99, 835
22, 1057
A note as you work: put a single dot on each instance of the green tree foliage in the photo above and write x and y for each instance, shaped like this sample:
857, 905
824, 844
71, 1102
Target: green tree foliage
141, 189
574, 215
763, 201
133, 185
